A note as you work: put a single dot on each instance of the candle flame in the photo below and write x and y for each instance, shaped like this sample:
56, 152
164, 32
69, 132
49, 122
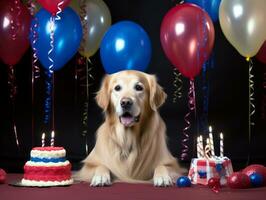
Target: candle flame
221, 135
43, 136
210, 129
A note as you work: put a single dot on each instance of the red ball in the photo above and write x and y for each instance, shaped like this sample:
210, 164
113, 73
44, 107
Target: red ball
214, 182
238, 180
2, 176
259, 169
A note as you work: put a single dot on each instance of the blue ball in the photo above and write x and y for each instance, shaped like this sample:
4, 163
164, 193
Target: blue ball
256, 180
183, 181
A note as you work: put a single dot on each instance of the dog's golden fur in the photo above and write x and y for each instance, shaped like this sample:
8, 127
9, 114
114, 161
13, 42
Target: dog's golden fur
131, 154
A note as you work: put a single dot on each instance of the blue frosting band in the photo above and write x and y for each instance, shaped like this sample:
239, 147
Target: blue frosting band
46, 160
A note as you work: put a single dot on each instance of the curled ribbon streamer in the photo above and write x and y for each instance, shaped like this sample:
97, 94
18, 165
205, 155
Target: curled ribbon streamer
178, 85
59, 5
192, 107
207, 152
83, 23
31, 7
15, 25
264, 98
205, 91
251, 107
13, 92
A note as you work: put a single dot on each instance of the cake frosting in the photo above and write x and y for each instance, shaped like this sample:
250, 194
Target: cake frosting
202, 169
47, 167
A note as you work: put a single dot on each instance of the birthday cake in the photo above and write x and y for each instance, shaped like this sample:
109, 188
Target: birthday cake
207, 165
202, 169
47, 167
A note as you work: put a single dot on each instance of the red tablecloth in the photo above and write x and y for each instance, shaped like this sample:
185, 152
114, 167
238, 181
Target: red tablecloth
126, 191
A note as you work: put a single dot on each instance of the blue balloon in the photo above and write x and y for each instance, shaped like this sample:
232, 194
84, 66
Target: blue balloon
210, 6
256, 180
67, 37
183, 181
125, 46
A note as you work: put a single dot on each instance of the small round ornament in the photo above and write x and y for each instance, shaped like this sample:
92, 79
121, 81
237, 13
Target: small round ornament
183, 181
214, 182
2, 176
238, 180
256, 180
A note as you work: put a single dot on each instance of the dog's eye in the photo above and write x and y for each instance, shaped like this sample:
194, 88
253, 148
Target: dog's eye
138, 87
117, 88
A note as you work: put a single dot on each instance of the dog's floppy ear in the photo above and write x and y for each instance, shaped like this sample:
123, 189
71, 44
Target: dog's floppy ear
103, 97
157, 95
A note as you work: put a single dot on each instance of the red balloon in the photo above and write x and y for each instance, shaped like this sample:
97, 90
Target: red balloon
2, 176
187, 38
238, 180
15, 22
261, 56
52, 5
260, 169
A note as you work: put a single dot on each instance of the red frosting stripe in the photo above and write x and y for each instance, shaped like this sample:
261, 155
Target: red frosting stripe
40, 173
48, 148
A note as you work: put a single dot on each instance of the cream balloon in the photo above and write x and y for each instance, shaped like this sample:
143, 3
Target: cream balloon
96, 19
243, 24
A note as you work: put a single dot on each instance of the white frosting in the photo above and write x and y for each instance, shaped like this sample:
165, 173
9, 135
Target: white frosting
46, 164
26, 182
48, 154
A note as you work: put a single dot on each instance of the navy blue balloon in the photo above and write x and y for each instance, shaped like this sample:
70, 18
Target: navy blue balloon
256, 180
210, 6
125, 46
183, 181
67, 37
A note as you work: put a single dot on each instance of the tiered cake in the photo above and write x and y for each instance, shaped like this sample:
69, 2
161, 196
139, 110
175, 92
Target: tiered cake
47, 167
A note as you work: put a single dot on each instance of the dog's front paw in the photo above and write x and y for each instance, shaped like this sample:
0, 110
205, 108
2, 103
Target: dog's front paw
101, 180
162, 181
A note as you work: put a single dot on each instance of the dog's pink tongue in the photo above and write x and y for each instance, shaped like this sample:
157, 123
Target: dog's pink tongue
126, 121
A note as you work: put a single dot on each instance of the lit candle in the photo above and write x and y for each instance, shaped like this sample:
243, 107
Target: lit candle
201, 146
198, 147
211, 141
52, 138
221, 145
43, 139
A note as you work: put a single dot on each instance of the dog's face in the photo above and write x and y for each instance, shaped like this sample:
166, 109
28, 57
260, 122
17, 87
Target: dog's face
129, 95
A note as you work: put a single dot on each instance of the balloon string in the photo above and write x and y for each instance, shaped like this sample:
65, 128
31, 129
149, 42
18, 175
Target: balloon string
251, 107
178, 85
13, 92
192, 107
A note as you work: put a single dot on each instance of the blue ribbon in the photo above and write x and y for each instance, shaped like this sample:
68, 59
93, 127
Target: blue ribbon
48, 99
46, 160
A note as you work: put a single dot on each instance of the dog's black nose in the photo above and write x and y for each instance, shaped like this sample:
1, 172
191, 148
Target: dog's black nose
126, 103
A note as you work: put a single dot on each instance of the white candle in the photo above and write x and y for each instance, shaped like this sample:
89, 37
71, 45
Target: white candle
43, 139
198, 148
211, 142
207, 149
52, 138
221, 145
201, 146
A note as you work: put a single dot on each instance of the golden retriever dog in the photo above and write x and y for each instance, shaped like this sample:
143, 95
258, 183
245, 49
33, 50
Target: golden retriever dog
131, 143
